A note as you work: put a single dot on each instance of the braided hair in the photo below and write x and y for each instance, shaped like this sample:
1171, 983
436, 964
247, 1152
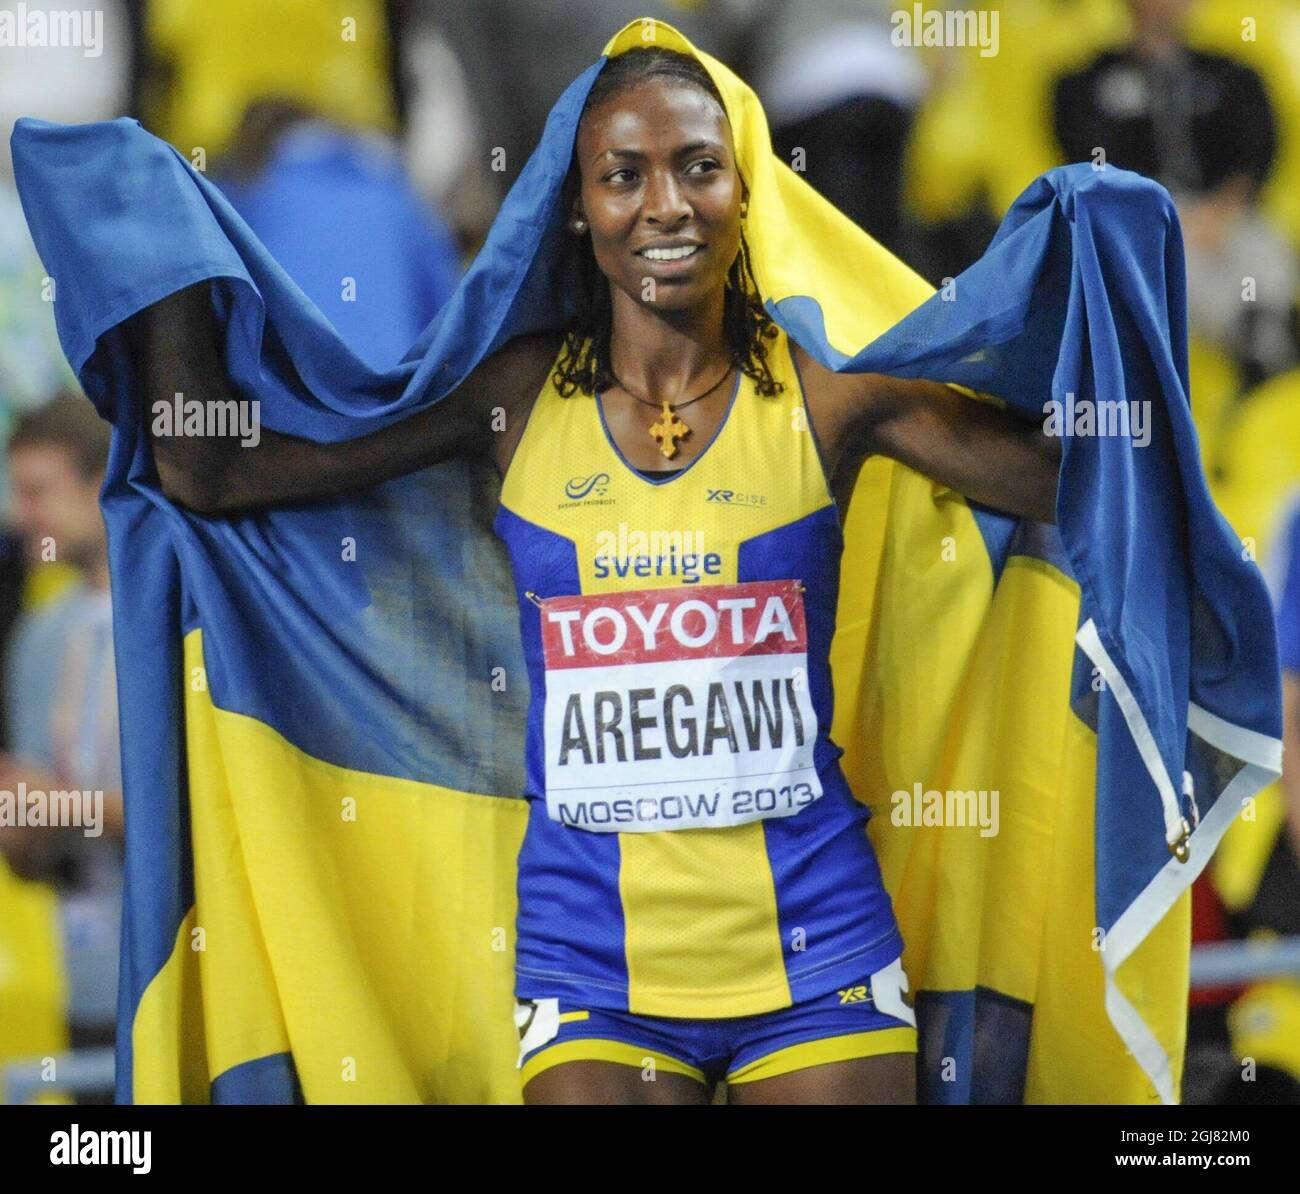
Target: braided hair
585, 362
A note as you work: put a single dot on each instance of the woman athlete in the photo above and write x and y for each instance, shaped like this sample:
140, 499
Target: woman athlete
756, 945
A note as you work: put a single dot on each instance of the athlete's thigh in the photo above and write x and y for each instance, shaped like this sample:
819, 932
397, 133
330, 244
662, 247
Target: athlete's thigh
887, 1078
607, 1082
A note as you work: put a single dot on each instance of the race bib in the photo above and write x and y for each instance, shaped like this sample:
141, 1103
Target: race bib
680, 708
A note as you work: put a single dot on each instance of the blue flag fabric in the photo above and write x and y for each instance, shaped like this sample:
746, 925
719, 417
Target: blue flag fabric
1075, 313
336, 209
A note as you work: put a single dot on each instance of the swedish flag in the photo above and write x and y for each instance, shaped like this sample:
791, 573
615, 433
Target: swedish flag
322, 768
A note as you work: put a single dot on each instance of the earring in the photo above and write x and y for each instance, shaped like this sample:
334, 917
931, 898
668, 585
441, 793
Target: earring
579, 226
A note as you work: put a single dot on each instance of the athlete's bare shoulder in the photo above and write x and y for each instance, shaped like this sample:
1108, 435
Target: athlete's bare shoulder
526, 360
835, 402
511, 378
824, 385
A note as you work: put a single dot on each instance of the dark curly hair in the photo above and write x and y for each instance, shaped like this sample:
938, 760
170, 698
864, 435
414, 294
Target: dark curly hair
584, 363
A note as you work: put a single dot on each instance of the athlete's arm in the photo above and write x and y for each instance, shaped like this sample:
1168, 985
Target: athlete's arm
177, 347
977, 448
980, 450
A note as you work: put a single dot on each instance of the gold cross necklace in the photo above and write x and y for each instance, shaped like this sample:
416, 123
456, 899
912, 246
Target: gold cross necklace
668, 428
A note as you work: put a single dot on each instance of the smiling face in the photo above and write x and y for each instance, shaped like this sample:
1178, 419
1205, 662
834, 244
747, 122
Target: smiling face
660, 192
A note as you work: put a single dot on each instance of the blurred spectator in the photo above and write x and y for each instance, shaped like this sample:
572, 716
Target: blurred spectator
63, 729
1202, 125
834, 85
13, 573
205, 62
443, 135
69, 84
59, 668
335, 209
32, 366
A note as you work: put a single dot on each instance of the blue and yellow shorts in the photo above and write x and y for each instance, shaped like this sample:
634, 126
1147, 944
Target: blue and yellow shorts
864, 1020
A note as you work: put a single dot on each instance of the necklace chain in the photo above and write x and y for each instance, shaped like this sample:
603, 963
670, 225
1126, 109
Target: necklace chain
673, 406
668, 429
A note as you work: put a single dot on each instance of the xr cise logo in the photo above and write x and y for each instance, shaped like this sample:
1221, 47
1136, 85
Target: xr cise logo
731, 497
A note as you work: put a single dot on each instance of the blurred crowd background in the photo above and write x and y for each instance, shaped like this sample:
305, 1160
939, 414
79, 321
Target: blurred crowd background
371, 143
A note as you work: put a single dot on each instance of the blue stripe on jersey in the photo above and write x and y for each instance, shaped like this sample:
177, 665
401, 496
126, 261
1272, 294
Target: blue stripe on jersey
566, 877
